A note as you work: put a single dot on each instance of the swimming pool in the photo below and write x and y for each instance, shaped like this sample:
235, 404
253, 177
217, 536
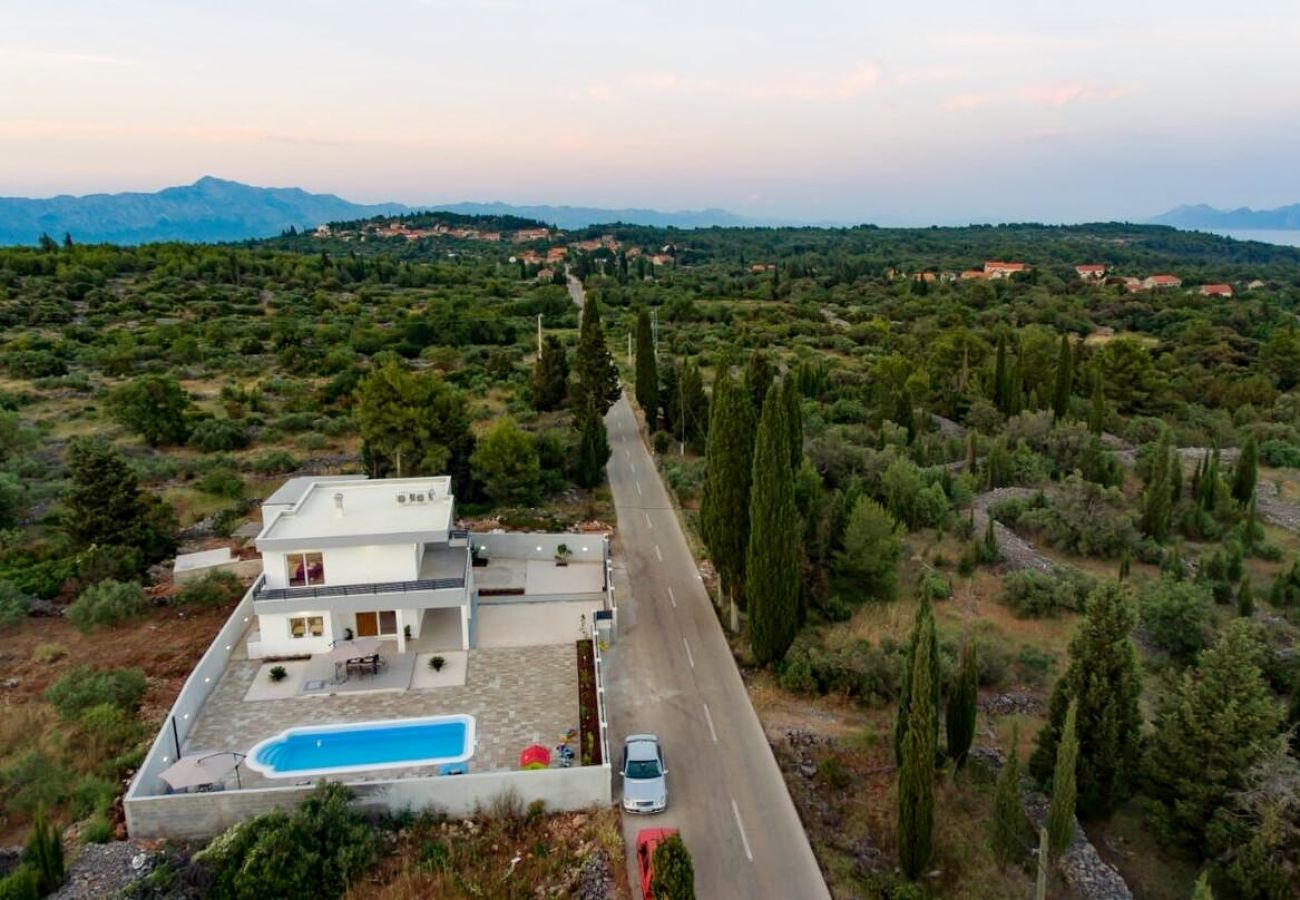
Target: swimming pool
364, 746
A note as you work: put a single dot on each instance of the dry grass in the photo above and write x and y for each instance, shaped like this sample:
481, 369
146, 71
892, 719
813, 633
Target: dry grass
499, 853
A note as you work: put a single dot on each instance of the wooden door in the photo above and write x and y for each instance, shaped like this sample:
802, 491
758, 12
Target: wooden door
367, 624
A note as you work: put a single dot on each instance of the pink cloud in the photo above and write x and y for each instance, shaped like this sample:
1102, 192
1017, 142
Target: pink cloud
1066, 92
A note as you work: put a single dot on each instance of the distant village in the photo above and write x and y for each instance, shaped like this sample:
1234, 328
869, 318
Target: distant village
992, 270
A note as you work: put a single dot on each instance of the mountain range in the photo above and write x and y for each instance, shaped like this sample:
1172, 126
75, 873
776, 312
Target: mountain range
213, 209
1202, 216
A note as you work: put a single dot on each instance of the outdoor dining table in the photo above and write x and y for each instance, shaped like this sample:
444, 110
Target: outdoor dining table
361, 654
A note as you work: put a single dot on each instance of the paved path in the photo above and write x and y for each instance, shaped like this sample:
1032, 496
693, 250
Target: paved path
671, 673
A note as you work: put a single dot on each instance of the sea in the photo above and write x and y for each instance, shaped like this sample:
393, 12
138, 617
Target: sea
1287, 238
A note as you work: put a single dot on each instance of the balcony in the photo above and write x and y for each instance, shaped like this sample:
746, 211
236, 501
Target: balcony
443, 581
261, 592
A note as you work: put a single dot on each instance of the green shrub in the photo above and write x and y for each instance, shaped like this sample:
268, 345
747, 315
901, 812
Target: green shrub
92, 796
277, 673
437, 662
1176, 616
314, 852
14, 605
107, 603
674, 873
274, 462
23, 883
1034, 665
831, 772
212, 590
218, 435
1031, 594
34, 781
221, 483
98, 830
85, 686
48, 653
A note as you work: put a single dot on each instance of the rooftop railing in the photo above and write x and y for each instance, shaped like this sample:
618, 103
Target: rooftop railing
357, 590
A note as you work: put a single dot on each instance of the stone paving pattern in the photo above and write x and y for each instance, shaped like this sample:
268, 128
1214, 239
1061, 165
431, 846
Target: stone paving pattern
517, 696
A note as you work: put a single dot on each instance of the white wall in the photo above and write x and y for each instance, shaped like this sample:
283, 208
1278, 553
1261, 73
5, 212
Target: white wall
276, 639
351, 565
521, 545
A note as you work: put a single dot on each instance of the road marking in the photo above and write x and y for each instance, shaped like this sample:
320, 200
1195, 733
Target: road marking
689, 658
708, 718
658, 554
672, 598
638, 489
648, 523
741, 825
626, 453
633, 465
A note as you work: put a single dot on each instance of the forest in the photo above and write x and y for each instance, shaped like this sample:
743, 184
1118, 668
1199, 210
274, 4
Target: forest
1025, 542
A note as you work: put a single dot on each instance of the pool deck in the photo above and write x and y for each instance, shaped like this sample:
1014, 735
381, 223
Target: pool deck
517, 696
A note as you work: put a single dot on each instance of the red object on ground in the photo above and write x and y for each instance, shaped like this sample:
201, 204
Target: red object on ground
647, 839
534, 753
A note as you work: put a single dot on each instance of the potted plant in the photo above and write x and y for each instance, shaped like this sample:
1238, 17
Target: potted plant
436, 663
347, 634
477, 557
406, 632
562, 554
277, 673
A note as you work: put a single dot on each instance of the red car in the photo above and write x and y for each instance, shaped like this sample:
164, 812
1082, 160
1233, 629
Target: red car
647, 839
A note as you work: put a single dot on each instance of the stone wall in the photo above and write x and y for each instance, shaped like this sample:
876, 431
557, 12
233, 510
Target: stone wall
201, 816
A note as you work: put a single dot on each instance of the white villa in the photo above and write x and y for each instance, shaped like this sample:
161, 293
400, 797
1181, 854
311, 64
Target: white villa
345, 556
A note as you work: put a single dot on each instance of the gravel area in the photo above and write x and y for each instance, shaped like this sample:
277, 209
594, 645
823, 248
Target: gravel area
101, 870
1017, 553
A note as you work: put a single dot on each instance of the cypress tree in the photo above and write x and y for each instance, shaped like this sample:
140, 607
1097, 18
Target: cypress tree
1064, 379
1125, 564
1000, 375
962, 700
1103, 678
758, 380
597, 376
647, 370
904, 415
772, 561
550, 378
916, 774
922, 629
44, 854
793, 422
1208, 735
694, 406
1246, 473
1157, 503
1060, 815
1044, 853
729, 460
1245, 598
1097, 410
593, 445
1008, 815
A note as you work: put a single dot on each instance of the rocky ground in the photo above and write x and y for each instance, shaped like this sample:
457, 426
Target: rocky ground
1017, 553
101, 870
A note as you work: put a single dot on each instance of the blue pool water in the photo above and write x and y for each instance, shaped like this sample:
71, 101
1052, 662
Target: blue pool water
363, 746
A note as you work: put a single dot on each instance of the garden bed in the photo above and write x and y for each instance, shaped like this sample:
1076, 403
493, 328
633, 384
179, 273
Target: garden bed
588, 706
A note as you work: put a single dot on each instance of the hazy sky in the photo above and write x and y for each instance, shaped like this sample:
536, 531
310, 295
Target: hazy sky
915, 111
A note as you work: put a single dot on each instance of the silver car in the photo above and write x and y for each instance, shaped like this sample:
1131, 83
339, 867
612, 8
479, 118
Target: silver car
645, 787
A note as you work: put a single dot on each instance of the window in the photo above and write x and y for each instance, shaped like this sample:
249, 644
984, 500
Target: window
305, 569
388, 621
307, 626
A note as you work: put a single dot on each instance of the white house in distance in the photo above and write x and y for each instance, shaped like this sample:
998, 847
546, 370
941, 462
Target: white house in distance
345, 556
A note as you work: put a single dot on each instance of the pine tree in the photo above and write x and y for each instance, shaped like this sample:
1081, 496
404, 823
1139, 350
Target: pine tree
44, 854
597, 376
729, 461
916, 773
1064, 379
793, 422
922, 629
593, 444
1245, 598
1060, 815
772, 561
674, 871
647, 370
1208, 735
550, 378
962, 701
1097, 409
1008, 815
1246, 473
1103, 678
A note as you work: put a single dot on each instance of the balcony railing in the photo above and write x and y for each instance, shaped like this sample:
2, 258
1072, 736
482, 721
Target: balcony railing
261, 593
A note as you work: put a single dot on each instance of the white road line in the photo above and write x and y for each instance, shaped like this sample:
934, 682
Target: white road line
626, 453
648, 523
638, 489
689, 658
658, 554
708, 718
741, 825
672, 598
633, 465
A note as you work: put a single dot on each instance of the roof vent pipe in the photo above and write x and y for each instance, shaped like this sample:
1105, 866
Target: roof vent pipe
338, 504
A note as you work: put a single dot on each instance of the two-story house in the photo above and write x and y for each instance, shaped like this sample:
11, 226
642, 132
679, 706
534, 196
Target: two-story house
343, 556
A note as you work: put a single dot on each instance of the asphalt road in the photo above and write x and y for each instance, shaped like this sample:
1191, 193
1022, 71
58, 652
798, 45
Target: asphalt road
671, 673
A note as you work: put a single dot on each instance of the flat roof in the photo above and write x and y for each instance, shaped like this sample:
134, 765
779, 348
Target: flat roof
351, 511
292, 490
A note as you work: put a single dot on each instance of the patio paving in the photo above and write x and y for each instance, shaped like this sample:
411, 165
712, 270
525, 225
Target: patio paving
517, 696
